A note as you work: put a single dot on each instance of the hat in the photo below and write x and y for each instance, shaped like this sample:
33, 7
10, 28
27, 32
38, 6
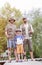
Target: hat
18, 30
12, 19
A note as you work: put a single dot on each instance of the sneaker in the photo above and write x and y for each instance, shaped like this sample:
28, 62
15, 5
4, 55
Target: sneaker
25, 60
32, 59
9, 61
20, 61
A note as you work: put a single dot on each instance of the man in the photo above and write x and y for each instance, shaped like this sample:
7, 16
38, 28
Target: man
10, 33
27, 31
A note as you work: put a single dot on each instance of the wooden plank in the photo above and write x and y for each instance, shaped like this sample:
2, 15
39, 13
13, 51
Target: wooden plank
2, 63
24, 63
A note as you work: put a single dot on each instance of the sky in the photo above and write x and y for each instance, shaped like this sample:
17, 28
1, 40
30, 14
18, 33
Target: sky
23, 5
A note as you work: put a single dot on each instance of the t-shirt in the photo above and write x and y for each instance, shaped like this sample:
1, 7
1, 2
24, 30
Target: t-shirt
18, 39
10, 28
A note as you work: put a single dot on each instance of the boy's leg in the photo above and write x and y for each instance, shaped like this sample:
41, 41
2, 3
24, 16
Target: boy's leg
18, 52
15, 53
15, 50
22, 51
18, 56
21, 56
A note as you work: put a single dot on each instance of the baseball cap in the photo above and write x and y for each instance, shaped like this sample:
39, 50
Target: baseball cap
18, 30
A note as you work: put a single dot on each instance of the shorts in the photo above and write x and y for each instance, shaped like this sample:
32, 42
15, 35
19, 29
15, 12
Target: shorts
20, 49
28, 45
11, 44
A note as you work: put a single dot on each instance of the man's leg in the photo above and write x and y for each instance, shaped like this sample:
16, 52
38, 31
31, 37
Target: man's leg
15, 53
9, 54
31, 55
9, 49
15, 50
24, 46
30, 49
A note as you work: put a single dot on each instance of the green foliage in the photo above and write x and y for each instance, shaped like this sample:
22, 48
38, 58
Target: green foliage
37, 36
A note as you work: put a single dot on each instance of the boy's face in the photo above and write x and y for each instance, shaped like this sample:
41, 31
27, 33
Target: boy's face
18, 33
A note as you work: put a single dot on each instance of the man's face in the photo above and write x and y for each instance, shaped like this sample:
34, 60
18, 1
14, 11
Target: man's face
12, 21
24, 20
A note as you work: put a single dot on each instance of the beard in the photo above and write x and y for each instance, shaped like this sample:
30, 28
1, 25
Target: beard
25, 21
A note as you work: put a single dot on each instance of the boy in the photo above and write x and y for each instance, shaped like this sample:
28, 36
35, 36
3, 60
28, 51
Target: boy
19, 44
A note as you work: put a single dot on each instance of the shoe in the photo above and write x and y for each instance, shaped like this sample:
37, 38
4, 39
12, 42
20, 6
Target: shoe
16, 60
32, 59
9, 61
25, 60
20, 61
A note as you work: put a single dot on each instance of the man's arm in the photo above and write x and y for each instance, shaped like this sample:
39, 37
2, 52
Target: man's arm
31, 29
6, 32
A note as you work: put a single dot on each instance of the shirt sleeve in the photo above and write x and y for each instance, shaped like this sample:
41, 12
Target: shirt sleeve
31, 28
6, 28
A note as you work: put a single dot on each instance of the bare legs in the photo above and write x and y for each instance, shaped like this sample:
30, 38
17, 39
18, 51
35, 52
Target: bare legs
9, 54
31, 55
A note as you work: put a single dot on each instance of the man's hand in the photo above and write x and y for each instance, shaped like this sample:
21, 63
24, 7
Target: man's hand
30, 32
7, 35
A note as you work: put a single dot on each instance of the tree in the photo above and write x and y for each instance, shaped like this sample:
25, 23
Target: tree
37, 36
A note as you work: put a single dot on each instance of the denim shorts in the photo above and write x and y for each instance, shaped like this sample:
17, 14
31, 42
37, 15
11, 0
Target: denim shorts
11, 44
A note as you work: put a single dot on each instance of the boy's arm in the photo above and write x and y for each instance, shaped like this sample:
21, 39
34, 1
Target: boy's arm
23, 37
